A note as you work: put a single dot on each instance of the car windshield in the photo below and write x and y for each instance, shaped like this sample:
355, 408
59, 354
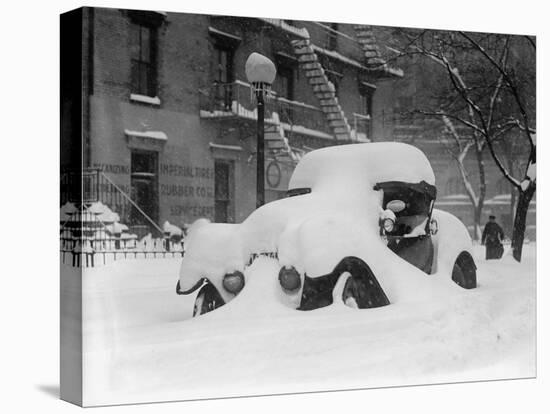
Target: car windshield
411, 203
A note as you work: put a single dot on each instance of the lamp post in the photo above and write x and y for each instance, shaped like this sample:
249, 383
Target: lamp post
260, 72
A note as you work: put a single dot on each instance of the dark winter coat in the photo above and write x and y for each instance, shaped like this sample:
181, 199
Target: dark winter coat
492, 234
492, 239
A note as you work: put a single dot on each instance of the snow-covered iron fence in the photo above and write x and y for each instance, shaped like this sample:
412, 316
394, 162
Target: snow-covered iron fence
91, 235
233, 100
93, 213
92, 185
83, 255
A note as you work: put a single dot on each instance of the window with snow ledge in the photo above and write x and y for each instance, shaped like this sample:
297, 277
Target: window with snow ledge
150, 100
144, 43
146, 140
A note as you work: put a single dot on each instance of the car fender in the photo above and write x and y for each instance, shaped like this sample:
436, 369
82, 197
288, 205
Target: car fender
451, 239
211, 251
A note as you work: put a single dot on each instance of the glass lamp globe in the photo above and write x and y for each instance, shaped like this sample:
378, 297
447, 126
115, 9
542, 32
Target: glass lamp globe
259, 69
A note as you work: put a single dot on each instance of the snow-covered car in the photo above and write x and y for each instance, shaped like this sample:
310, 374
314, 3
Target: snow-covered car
358, 216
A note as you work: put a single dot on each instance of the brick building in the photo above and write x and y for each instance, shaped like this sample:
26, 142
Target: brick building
167, 115
167, 118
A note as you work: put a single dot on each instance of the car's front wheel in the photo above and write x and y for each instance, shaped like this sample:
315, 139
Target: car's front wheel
207, 300
362, 289
464, 271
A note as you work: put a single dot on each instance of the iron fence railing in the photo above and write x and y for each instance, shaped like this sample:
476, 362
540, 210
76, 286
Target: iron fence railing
100, 223
92, 185
226, 100
89, 238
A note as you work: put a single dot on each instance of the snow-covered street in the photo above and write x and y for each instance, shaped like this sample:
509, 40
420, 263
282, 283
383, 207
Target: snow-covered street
140, 347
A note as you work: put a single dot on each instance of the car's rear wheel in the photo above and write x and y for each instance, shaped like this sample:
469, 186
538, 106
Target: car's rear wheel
464, 271
207, 300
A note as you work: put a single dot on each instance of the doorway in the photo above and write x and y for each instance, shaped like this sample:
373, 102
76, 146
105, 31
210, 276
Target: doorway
223, 191
144, 190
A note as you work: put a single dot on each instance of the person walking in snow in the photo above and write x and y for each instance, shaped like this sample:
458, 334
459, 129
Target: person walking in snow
492, 239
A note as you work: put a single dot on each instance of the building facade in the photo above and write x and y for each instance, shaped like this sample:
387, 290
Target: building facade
169, 122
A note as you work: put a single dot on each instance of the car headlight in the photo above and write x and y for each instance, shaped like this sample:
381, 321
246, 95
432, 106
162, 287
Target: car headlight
388, 225
434, 227
289, 278
233, 282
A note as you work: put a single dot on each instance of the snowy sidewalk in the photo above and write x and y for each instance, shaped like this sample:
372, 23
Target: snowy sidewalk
139, 346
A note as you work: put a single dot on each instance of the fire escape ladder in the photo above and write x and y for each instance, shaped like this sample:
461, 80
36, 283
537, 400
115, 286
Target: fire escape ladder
275, 139
366, 38
323, 89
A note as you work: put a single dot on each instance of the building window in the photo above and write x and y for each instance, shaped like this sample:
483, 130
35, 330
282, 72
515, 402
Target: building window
366, 96
284, 82
335, 78
332, 36
223, 76
223, 191
223, 64
366, 102
143, 51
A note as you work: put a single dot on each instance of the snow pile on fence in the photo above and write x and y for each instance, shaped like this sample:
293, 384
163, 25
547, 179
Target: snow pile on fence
172, 230
66, 211
93, 227
103, 212
148, 243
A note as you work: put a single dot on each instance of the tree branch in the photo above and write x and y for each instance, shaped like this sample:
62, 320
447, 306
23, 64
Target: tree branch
508, 81
452, 116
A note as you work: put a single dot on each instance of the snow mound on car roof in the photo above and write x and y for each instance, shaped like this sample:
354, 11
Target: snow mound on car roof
359, 164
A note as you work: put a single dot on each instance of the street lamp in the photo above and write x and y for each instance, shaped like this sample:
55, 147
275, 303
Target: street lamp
260, 72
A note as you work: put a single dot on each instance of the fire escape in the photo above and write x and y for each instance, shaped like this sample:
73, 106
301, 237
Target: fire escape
323, 88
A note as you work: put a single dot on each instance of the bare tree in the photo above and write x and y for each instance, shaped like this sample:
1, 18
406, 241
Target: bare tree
459, 152
488, 91
523, 97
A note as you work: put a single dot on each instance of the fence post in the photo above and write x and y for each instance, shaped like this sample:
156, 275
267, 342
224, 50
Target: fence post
167, 241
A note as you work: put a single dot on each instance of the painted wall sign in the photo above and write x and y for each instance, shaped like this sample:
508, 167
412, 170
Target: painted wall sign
175, 190
175, 170
192, 211
113, 168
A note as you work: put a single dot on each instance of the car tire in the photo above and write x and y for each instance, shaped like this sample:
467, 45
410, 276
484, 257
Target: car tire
207, 300
464, 271
362, 289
